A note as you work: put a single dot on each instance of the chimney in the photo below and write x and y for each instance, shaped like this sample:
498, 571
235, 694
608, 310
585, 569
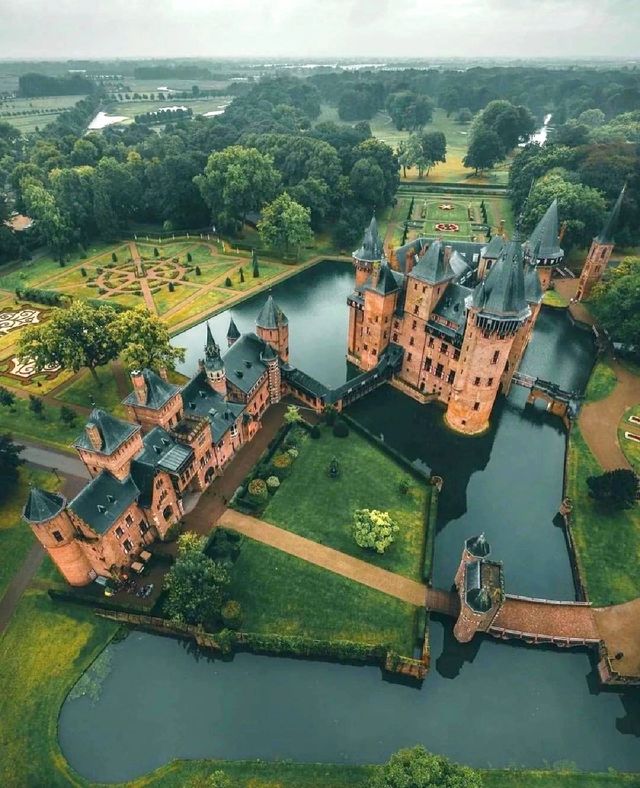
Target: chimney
93, 433
139, 386
447, 253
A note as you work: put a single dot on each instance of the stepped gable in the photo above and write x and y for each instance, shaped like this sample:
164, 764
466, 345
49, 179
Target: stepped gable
501, 294
42, 505
371, 250
606, 235
544, 239
271, 316
104, 500
113, 432
158, 391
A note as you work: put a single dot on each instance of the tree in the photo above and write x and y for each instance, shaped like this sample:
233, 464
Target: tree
80, 336
434, 148
144, 340
67, 415
409, 110
367, 182
254, 263
235, 181
36, 406
217, 779
285, 224
373, 529
241, 272
10, 463
417, 768
615, 302
485, 150
195, 584
42, 206
618, 489
512, 124
292, 415
7, 398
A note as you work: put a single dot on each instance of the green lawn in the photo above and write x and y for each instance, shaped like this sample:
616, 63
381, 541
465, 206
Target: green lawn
83, 391
282, 594
601, 383
630, 448
15, 535
320, 508
165, 299
607, 541
553, 298
22, 423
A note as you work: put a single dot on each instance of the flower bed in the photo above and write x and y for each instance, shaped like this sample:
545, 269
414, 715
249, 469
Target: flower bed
447, 227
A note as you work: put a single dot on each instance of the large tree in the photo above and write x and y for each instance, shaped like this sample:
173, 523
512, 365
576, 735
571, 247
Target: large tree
512, 124
195, 584
617, 489
285, 224
615, 302
10, 462
485, 150
417, 768
144, 340
55, 227
409, 110
235, 181
80, 336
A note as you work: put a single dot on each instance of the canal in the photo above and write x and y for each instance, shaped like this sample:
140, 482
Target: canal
486, 703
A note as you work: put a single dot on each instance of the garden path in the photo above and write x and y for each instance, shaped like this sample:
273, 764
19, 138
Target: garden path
353, 568
144, 285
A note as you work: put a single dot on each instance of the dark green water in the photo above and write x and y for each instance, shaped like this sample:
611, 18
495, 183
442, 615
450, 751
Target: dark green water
486, 703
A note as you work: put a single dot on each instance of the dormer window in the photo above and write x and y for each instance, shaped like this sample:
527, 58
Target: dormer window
111, 499
165, 441
102, 509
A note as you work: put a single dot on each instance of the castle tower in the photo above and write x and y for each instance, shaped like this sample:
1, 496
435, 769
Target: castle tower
154, 401
369, 254
480, 588
272, 326
600, 252
232, 333
497, 310
474, 548
543, 246
379, 305
108, 443
490, 253
270, 358
428, 280
213, 366
47, 516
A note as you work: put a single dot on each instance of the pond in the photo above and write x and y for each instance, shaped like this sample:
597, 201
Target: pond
486, 703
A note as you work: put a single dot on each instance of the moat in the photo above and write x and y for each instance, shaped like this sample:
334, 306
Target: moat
486, 703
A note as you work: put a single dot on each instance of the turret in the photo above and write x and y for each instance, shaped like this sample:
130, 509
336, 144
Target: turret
428, 280
480, 588
380, 301
232, 333
543, 247
108, 443
270, 358
369, 254
272, 326
46, 514
213, 366
600, 252
154, 401
497, 310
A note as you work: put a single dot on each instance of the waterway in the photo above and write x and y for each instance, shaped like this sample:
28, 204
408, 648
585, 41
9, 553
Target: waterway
486, 703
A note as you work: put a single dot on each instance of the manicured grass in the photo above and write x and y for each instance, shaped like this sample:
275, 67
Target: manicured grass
630, 448
601, 383
22, 423
15, 535
203, 304
513, 778
42, 653
607, 541
312, 504
215, 268
267, 271
285, 595
83, 391
553, 298
30, 273
165, 300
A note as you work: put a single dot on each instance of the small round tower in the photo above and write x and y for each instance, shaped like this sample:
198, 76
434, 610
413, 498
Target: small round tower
272, 326
270, 358
213, 366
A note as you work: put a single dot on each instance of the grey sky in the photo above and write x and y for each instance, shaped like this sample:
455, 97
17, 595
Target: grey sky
316, 28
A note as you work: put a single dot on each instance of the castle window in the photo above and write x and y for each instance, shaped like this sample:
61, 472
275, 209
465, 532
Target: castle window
395, 337
167, 512
424, 288
385, 335
451, 377
415, 287
496, 356
234, 431
490, 382
476, 406
430, 343
365, 346
444, 347
411, 341
427, 364
374, 352
456, 354
57, 536
129, 519
415, 323
415, 309
409, 357
439, 369
127, 546
119, 532
476, 382
396, 324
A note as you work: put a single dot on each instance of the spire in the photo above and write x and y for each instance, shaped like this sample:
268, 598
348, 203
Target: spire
271, 316
501, 293
371, 249
232, 331
545, 235
42, 505
211, 348
386, 282
606, 235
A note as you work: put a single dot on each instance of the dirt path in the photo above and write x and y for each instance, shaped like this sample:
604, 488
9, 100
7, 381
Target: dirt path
619, 627
326, 557
599, 420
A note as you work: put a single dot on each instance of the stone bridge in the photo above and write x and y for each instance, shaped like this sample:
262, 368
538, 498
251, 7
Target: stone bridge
559, 401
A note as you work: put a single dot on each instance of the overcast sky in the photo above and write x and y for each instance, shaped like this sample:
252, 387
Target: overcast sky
318, 28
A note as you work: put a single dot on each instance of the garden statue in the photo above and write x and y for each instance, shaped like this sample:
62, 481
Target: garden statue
334, 468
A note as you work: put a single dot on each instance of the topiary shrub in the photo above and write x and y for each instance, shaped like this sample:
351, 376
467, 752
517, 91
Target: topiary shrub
171, 287
293, 452
198, 271
373, 529
227, 282
273, 483
258, 490
231, 613
83, 272
340, 429
404, 486
282, 465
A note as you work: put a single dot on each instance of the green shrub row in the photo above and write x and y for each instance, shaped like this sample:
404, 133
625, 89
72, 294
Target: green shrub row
298, 646
431, 526
48, 297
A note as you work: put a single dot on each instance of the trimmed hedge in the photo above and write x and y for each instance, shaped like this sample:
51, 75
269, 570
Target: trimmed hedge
430, 541
297, 646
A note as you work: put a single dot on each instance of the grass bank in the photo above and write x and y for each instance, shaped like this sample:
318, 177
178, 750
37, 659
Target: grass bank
601, 383
630, 448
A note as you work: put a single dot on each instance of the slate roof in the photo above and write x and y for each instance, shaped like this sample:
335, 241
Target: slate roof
42, 505
232, 331
606, 235
532, 287
104, 500
468, 249
432, 267
243, 362
544, 239
162, 450
112, 431
371, 250
386, 282
452, 306
271, 316
202, 401
493, 249
159, 391
501, 293
478, 546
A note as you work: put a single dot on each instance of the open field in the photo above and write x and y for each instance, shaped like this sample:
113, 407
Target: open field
83, 391
28, 113
200, 106
312, 504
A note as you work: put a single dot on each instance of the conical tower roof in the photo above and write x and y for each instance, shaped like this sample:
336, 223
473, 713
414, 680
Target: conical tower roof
606, 235
232, 331
212, 355
268, 354
501, 294
545, 235
432, 266
386, 281
532, 287
478, 546
271, 316
371, 249
42, 505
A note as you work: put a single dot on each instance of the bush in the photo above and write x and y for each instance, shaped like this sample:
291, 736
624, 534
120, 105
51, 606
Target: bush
258, 490
618, 489
198, 271
156, 253
227, 282
171, 287
373, 529
293, 453
114, 257
340, 429
231, 613
315, 431
189, 258
67, 415
330, 415
173, 532
282, 465
83, 272
404, 486
273, 483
